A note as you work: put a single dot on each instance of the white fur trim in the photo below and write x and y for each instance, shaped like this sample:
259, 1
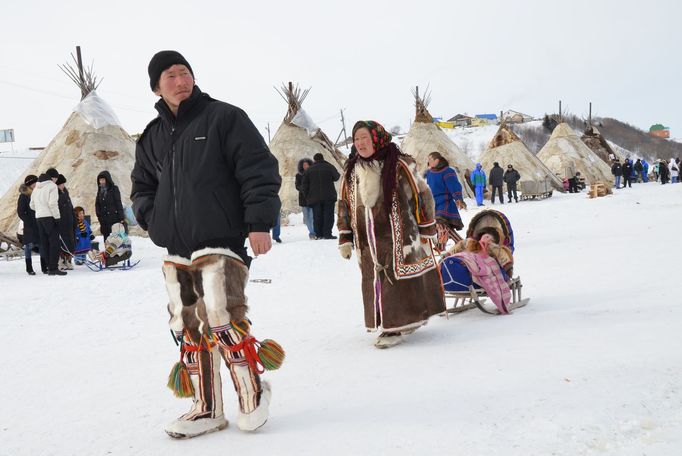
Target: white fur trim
433, 222
345, 232
177, 260
369, 184
216, 251
346, 250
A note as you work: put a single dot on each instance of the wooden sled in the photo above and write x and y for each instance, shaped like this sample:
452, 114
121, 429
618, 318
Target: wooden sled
535, 196
476, 297
122, 265
10, 248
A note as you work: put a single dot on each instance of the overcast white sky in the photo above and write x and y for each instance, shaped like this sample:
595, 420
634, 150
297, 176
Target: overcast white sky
477, 56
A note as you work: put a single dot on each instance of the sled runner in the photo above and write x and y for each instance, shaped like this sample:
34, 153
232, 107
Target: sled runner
10, 248
459, 285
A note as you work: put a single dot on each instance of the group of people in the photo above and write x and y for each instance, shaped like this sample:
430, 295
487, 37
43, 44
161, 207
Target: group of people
56, 229
498, 178
317, 195
386, 213
638, 171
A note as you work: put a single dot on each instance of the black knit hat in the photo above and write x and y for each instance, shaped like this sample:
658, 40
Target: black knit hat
61, 180
163, 60
30, 179
52, 173
43, 178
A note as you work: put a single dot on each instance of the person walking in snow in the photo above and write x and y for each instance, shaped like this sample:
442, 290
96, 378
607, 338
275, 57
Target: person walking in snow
204, 180
108, 207
45, 202
447, 195
511, 177
386, 214
27, 215
478, 180
496, 176
303, 165
645, 171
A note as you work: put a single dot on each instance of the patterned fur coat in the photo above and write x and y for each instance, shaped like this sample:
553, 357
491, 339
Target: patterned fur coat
401, 285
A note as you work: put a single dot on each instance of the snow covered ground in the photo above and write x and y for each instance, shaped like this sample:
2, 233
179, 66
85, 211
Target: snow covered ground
592, 366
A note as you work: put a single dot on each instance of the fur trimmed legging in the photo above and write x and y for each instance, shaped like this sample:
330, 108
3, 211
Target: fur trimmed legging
206, 295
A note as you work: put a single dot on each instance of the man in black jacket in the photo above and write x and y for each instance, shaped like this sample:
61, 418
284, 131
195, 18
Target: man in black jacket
511, 177
496, 179
617, 171
320, 193
204, 180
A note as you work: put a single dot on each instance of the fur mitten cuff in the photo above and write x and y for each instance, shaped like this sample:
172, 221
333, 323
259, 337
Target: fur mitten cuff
346, 250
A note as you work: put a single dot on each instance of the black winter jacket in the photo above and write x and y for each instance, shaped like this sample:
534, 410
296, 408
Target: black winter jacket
617, 169
627, 170
28, 216
108, 207
66, 219
299, 181
318, 183
203, 178
511, 177
496, 176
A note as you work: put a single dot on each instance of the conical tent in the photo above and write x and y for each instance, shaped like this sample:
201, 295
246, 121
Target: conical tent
598, 144
565, 150
506, 148
425, 137
90, 141
298, 137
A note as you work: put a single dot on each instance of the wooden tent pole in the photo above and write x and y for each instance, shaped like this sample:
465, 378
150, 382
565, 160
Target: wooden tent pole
80, 71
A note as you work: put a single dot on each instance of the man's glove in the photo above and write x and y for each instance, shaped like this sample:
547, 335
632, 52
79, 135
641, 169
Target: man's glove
346, 250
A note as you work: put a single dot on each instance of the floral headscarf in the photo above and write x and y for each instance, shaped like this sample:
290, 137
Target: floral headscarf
380, 137
384, 151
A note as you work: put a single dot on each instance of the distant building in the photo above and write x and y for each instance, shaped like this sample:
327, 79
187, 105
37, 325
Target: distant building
484, 119
512, 116
461, 120
659, 131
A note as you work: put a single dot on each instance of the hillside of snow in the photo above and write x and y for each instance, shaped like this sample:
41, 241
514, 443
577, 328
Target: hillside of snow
591, 366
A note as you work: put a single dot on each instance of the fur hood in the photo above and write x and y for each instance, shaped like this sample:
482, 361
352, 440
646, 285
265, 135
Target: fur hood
300, 164
25, 190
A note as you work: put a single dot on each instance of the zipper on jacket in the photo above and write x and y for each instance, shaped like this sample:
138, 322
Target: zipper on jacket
173, 189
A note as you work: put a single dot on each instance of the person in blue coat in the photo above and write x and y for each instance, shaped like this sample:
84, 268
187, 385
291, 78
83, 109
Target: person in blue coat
447, 194
479, 181
645, 171
83, 235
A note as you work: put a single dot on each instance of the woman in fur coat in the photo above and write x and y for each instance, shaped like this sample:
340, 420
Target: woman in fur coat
386, 214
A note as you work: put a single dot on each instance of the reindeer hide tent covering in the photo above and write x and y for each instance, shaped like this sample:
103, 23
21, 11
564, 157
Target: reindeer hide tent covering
506, 148
90, 141
564, 150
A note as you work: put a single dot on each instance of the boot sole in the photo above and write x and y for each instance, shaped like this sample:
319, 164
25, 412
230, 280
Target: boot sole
180, 436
